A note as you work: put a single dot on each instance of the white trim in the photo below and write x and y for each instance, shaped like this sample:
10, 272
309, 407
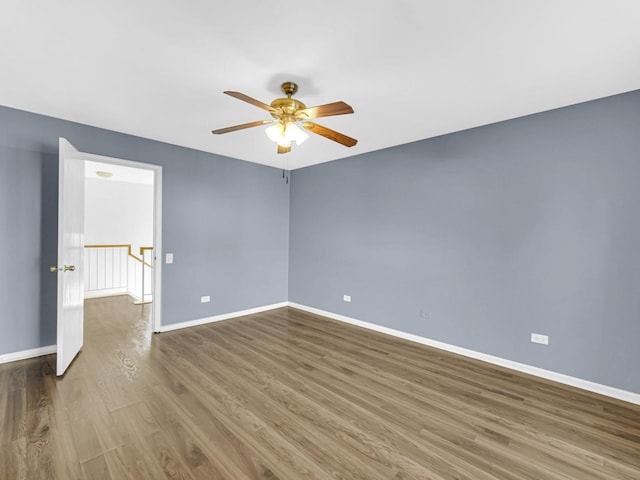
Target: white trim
156, 284
25, 354
111, 292
225, 316
624, 395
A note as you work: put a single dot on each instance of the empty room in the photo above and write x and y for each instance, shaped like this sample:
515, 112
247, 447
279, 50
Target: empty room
389, 240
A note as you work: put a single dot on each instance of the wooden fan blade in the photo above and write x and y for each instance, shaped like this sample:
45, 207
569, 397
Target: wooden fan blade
328, 110
282, 149
248, 99
330, 134
241, 127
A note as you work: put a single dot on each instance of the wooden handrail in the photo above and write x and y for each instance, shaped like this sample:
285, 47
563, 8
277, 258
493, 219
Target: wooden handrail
139, 260
128, 247
123, 245
142, 250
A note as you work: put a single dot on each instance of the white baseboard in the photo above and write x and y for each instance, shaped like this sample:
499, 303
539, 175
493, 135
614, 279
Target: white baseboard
25, 354
113, 292
140, 302
217, 318
608, 391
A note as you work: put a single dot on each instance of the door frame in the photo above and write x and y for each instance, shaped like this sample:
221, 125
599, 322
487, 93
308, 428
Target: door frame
156, 303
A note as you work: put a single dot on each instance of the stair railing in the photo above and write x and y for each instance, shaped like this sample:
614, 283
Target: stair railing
115, 270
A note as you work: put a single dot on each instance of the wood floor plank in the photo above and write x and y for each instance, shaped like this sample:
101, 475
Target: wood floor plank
12, 456
66, 463
85, 437
198, 453
39, 453
135, 462
96, 468
134, 423
288, 395
13, 408
165, 456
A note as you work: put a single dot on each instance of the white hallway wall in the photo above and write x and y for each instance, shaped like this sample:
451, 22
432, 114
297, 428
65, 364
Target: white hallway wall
118, 212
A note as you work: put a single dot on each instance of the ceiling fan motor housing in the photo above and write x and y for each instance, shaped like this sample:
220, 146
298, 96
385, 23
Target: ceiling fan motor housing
288, 106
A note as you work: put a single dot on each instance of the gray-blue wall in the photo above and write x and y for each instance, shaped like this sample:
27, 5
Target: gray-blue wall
529, 225
226, 221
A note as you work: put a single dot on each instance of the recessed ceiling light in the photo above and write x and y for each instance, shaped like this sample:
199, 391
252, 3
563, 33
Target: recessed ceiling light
104, 174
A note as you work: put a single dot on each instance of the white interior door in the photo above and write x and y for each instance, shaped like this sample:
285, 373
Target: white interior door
70, 256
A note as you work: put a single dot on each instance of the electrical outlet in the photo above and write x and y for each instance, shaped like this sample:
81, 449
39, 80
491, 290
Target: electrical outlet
205, 299
169, 258
346, 298
425, 315
537, 338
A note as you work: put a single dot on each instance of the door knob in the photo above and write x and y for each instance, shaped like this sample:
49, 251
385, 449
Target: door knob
66, 268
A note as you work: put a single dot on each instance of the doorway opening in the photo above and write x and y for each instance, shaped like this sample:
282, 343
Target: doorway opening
122, 231
118, 232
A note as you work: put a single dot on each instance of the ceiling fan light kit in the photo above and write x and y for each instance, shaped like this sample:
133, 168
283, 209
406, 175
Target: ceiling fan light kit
291, 119
285, 133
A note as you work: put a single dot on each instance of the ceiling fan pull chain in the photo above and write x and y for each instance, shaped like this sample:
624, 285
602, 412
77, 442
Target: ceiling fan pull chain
286, 165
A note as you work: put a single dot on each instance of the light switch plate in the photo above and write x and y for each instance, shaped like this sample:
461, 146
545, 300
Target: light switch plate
538, 338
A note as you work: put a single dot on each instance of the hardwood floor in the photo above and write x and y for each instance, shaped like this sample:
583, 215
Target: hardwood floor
289, 395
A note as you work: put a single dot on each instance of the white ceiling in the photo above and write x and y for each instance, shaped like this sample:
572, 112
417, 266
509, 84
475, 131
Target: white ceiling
411, 69
119, 173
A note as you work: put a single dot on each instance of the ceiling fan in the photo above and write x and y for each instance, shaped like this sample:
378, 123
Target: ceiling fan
292, 119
